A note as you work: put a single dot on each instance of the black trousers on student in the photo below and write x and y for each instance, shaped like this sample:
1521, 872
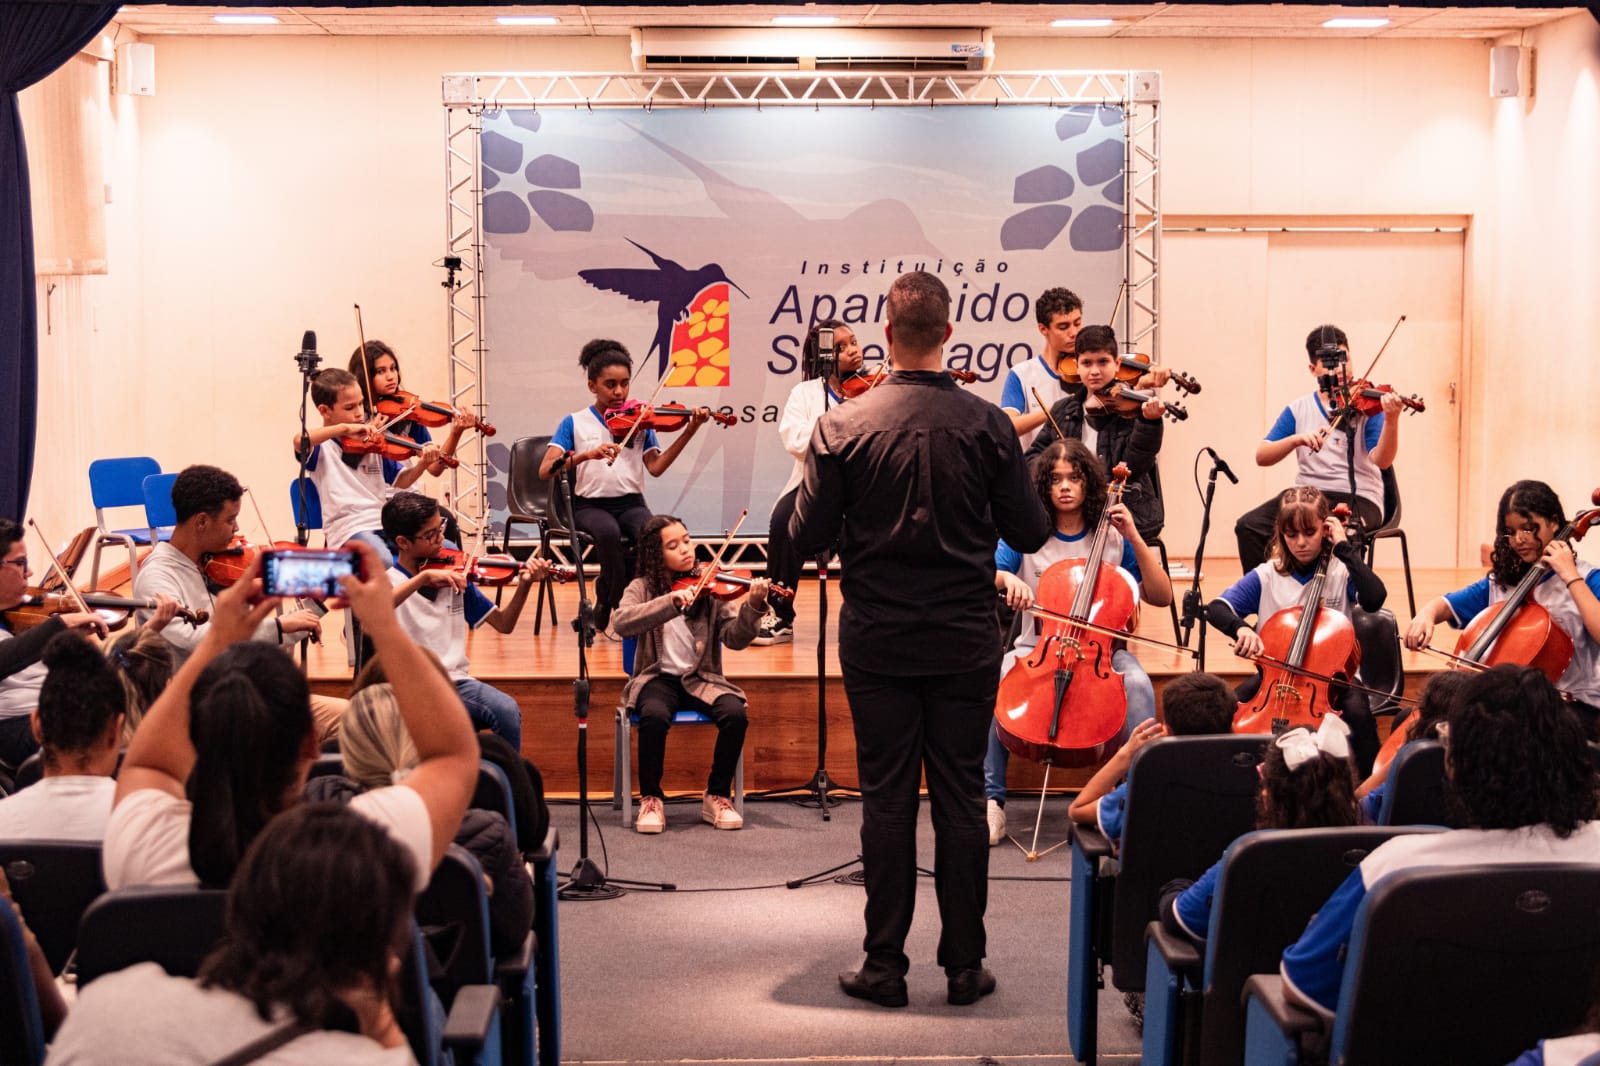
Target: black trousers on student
1356, 713
783, 562
608, 519
663, 696
903, 727
1254, 528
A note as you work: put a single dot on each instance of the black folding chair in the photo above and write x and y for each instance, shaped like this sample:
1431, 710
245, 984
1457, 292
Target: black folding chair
53, 882
1414, 793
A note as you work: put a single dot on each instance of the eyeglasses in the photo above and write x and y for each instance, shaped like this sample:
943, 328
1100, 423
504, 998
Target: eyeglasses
21, 563
435, 535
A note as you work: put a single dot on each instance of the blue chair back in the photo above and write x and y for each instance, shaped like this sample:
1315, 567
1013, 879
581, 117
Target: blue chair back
120, 482
21, 1028
158, 510
313, 518
629, 646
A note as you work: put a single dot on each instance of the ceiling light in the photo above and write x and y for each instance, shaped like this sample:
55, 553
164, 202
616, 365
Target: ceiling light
527, 20
246, 20
1081, 24
1355, 24
804, 20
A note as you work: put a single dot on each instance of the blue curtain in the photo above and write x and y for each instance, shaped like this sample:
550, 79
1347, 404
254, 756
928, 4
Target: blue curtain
35, 39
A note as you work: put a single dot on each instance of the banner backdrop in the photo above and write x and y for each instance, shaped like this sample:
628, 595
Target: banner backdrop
707, 242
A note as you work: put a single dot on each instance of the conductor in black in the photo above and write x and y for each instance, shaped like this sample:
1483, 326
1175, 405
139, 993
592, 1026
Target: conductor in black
916, 480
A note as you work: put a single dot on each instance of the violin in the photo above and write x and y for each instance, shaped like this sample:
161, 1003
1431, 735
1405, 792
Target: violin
1135, 365
488, 571
1065, 703
1128, 402
1306, 651
39, 606
858, 382
406, 407
1367, 398
725, 584
223, 568
390, 446
663, 418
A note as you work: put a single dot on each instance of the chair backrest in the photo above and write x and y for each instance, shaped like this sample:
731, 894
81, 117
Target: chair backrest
30, 772
53, 882
1188, 799
493, 793
1391, 501
526, 494
555, 507
120, 482
1468, 964
21, 1028
328, 764
173, 926
453, 912
156, 489
1272, 882
1414, 794
313, 519
1378, 636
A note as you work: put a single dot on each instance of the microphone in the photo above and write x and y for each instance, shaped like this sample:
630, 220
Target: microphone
556, 467
1222, 467
307, 358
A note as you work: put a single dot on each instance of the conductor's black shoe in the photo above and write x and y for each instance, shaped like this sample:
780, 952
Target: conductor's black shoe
968, 986
889, 992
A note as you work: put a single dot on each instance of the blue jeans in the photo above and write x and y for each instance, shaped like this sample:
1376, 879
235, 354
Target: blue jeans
491, 709
1141, 693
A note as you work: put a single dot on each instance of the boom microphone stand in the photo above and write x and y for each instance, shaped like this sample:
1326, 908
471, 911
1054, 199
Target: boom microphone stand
587, 880
1193, 603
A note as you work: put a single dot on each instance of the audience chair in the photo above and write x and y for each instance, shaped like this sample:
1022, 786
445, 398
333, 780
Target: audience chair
313, 507
173, 926
1391, 528
29, 772
547, 960
118, 483
622, 765
21, 1027
1448, 965
1272, 882
493, 793
1414, 794
467, 1035
53, 882
159, 515
527, 502
328, 764
1188, 799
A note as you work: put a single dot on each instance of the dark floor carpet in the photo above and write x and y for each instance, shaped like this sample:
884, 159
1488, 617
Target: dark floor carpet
734, 967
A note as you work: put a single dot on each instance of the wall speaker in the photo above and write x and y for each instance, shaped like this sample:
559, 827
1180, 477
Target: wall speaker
1510, 71
136, 69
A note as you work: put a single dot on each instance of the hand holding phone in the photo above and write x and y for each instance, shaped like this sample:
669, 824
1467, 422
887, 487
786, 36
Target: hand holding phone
307, 573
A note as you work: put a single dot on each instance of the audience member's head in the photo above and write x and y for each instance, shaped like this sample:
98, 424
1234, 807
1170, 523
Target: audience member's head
1197, 704
373, 739
320, 911
1516, 755
1308, 779
1439, 695
250, 722
143, 662
79, 719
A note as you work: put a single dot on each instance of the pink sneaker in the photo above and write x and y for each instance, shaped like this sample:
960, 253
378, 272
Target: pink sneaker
720, 812
652, 815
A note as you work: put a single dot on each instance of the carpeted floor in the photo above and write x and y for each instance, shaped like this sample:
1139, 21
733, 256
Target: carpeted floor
734, 967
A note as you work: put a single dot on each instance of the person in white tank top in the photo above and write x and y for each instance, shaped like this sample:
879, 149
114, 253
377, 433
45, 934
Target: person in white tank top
1526, 523
1059, 313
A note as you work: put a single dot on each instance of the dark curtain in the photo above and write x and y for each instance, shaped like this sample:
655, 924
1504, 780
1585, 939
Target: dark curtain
35, 39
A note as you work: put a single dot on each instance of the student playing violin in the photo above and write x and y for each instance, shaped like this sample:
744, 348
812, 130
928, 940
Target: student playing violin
1060, 316
678, 664
382, 369
1526, 523
608, 501
436, 607
808, 400
1304, 533
1071, 484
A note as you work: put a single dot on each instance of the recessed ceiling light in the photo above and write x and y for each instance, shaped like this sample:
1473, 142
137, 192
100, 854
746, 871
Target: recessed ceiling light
1081, 24
527, 20
1355, 24
246, 20
804, 20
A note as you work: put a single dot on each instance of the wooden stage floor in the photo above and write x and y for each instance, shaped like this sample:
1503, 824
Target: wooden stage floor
780, 683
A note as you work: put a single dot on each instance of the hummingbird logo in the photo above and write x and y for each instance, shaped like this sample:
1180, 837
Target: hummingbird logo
669, 286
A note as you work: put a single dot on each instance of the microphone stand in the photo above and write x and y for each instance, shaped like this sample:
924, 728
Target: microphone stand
587, 881
307, 360
1193, 602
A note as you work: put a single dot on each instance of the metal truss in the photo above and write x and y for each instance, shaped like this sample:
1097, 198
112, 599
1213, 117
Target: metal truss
468, 95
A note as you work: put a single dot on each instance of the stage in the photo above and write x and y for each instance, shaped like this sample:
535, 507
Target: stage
780, 682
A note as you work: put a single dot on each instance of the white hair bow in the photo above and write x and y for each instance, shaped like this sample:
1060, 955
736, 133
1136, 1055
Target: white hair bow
1300, 746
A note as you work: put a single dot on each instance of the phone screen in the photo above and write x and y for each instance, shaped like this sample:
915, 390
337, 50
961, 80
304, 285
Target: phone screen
309, 574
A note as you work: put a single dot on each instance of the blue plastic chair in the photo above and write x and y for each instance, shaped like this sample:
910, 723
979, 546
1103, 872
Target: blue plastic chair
622, 765
119, 483
159, 514
313, 516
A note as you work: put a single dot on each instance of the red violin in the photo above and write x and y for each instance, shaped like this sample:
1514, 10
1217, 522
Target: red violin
406, 407
390, 446
725, 584
663, 418
488, 571
224, 567
1367, 398
858, 382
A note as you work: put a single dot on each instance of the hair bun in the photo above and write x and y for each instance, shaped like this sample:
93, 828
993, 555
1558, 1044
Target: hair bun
71, 652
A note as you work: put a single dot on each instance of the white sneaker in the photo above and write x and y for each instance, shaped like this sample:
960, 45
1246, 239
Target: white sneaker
774, 630
652, 815
720, 813
997, 823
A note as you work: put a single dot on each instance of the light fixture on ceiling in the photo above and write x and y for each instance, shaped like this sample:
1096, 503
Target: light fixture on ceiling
1355, 24
804, 20
1081, 24
246, 20
527, 20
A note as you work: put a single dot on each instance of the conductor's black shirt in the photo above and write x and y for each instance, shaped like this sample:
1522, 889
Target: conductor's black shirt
916, 481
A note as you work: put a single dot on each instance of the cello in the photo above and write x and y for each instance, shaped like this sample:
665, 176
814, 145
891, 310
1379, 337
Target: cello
1307, 650
1065, 703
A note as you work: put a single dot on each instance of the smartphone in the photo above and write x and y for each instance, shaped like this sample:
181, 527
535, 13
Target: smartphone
306, 573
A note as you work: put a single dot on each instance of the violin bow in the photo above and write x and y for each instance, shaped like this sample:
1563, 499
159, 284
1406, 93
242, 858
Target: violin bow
66, 581
628, 437
1313, 675
377, 422
1047, 415
1366, 375
716, 557
1055, 616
